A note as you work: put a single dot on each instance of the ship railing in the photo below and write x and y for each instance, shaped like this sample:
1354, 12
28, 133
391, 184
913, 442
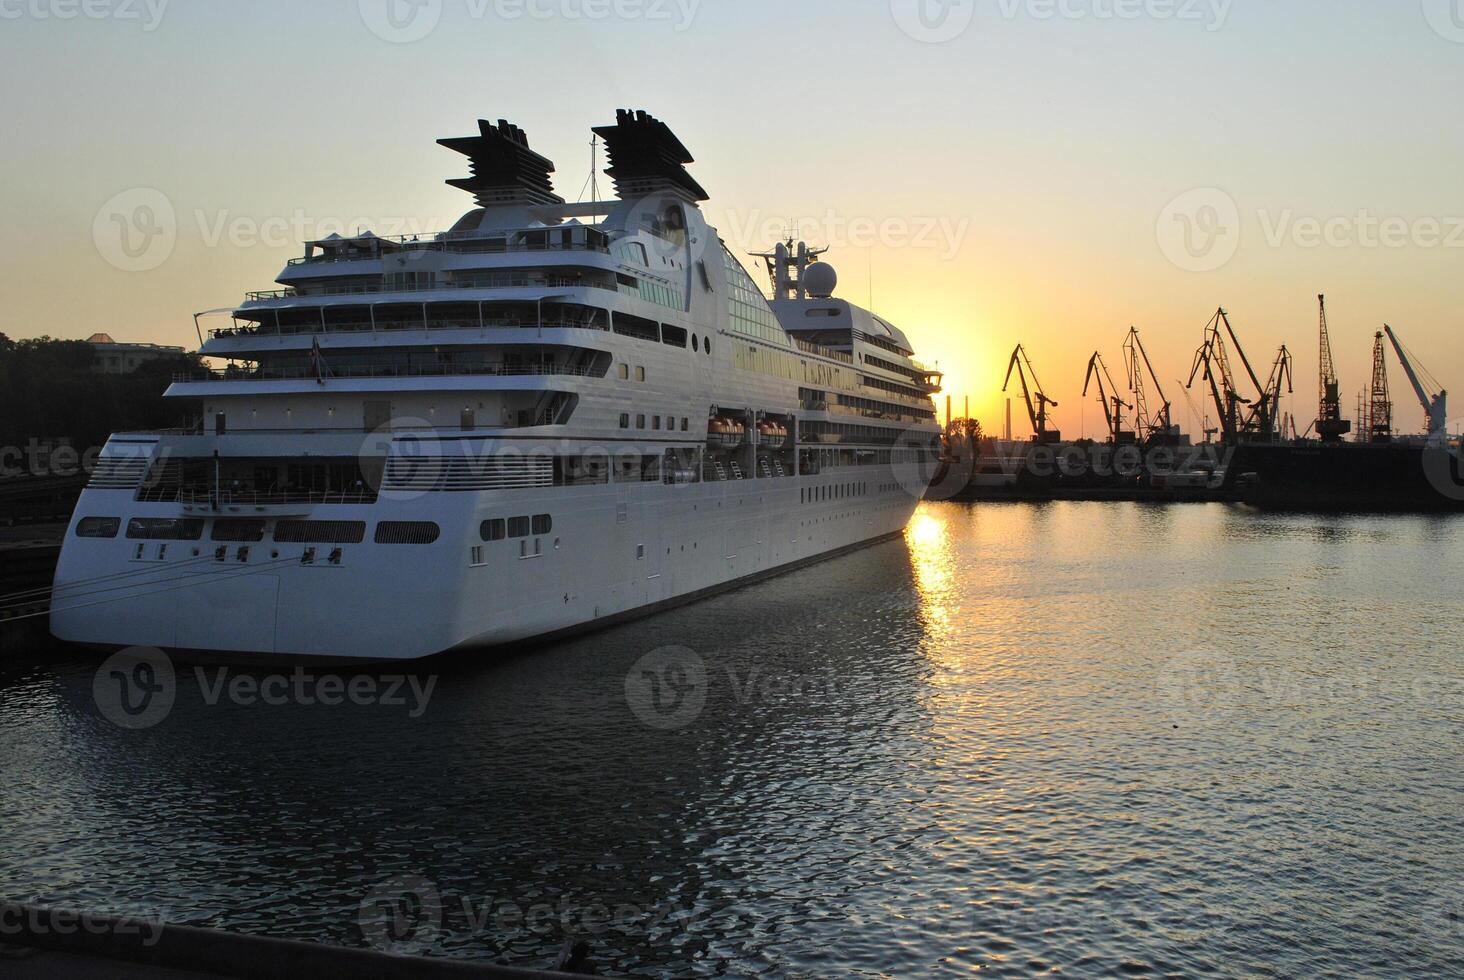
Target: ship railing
366, 289
471, 242
227, 496
365, 326
333, 371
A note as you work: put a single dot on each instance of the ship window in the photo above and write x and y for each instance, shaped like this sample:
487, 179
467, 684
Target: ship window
98, 527
494, 530
640, 373
640, 421
543, 524
518, 527
623, 370
164, 529
407, 532
656, 422
625, 420
675, 336
708, 346
226, 529
321, 532
695, 343
685, 422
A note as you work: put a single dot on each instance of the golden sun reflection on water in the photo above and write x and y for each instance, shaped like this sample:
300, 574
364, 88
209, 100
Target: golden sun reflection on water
928, 536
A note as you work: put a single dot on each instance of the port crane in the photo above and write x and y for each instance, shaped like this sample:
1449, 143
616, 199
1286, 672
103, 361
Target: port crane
1113, 406
1136, 359
1378, 422
1263, 419
1213, 357
1330, 424
1037, 401
1435, 406
1214, 360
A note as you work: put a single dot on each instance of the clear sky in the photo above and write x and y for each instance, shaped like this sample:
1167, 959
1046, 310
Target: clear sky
1037, 171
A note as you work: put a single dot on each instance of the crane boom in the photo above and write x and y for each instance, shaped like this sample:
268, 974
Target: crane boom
1113, 405
1036, 399
1435, 406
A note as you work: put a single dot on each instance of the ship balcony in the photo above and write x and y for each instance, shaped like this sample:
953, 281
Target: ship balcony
401, 325
345, 372
253, 300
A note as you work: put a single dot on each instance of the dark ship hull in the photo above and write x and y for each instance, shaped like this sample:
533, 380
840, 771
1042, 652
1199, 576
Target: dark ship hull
1395, 476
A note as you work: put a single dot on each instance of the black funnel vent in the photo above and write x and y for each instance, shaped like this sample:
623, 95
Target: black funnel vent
646, 157
505, 170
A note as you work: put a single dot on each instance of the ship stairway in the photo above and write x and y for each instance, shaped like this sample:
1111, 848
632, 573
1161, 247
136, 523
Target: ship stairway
737, 472
720, 470
778, 468
764, 470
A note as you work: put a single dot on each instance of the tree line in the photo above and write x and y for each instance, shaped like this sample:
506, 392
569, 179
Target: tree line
48, 390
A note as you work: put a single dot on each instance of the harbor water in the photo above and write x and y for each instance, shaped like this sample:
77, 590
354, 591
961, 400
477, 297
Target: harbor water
1095, 739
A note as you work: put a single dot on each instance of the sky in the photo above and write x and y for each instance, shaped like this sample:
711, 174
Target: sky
988, 173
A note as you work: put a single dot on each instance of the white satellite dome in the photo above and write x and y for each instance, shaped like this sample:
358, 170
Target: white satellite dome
820, 279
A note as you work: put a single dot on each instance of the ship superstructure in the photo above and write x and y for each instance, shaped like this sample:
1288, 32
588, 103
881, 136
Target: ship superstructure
528, 424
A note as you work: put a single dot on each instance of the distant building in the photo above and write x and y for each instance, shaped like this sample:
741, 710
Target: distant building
115, 358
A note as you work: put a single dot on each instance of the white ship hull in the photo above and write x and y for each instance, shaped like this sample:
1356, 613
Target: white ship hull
390, 602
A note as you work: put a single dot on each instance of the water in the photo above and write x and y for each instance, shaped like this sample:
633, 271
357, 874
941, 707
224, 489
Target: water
1090, 739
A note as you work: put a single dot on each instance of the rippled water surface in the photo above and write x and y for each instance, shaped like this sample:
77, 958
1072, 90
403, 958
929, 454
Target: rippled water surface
1087, 739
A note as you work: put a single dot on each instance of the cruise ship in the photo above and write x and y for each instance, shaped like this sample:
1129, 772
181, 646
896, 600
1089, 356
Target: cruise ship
551, 417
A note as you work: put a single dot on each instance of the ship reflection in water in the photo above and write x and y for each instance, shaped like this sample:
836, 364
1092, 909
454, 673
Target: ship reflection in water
1089, 738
